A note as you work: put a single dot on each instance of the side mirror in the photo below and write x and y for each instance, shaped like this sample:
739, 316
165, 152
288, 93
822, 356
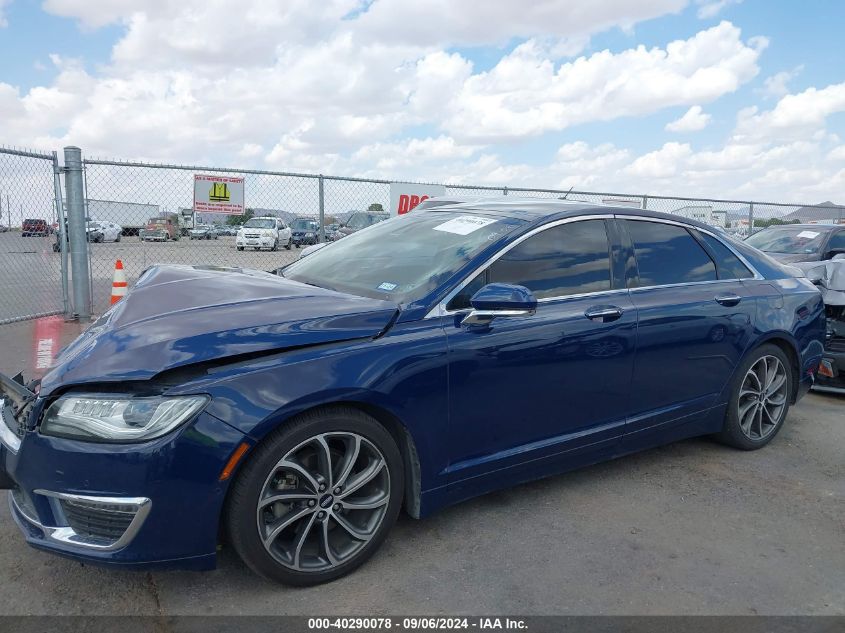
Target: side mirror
500, 300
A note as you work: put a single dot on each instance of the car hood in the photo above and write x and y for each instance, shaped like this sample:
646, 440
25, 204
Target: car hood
181, 315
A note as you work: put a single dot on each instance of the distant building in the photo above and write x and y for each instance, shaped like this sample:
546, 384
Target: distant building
703, 213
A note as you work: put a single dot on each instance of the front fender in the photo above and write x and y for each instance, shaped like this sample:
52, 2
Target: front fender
403, 373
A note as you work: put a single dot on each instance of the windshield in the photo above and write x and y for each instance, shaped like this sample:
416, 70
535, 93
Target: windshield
789, 240
155, 222
304, 224
258, 223
363, 220
402, 259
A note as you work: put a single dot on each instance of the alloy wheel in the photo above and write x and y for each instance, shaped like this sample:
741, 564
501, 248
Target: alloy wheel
763, 398
323, 501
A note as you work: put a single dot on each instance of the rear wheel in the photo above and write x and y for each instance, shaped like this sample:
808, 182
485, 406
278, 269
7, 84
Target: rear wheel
317, 498
760, 397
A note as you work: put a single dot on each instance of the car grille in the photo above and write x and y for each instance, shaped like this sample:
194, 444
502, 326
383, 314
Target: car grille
97, 521
252, 236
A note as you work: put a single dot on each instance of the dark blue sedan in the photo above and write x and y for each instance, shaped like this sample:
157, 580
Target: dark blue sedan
422, 361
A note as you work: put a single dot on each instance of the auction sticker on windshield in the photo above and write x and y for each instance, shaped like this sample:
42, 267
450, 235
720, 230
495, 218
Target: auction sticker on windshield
808, 234
464, 225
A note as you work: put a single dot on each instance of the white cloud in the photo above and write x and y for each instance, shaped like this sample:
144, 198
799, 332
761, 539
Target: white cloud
3, 21
795, 116
778, 84
526, 94
477, 22
711, 8
693, 120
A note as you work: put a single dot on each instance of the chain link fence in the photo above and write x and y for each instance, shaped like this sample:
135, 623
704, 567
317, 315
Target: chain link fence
30, 270
143, 214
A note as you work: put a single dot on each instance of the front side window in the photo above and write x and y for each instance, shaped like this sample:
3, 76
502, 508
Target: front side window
668, 254
837, 242
564, 260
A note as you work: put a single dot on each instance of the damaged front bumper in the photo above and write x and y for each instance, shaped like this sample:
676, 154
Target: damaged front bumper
154, 504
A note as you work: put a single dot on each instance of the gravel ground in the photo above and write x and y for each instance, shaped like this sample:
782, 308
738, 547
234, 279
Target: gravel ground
690, 528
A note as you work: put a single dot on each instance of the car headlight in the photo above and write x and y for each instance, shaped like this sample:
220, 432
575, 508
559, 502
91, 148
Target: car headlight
118, 418
309, 234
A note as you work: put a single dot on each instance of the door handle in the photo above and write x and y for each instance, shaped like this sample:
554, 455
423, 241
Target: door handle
605, 314
728, 300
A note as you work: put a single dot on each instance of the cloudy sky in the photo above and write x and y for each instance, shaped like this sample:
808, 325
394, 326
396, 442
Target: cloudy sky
724, 98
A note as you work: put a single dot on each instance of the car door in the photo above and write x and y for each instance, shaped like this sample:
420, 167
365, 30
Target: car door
695, 321
528, 391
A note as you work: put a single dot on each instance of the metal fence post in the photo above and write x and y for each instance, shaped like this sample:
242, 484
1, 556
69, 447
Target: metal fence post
751, 218
505, 191
60, 218
77, 233
645, 202
322, 235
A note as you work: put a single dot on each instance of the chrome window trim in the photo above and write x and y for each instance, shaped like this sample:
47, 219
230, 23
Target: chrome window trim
65, 535
440, 309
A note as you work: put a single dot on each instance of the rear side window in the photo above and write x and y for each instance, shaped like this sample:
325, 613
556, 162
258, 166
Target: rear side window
564, 260
668, 254
729, 265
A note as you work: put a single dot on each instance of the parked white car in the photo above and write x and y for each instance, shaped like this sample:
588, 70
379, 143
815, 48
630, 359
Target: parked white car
258, 233
102, 231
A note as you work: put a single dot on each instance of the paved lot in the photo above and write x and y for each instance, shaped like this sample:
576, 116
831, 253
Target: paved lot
30, 277
692, 528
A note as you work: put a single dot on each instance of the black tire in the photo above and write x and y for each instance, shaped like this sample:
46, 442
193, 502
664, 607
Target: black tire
117, 239
732, 432
240, 248
275, 246
242, 502
287, 246
296, 244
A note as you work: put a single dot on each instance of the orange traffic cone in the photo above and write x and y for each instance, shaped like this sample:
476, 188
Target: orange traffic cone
118, 284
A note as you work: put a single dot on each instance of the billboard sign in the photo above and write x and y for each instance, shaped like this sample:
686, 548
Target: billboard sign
218, 194
404, 196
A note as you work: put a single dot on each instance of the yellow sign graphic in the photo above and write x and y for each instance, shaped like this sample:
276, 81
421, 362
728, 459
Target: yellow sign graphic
219, 192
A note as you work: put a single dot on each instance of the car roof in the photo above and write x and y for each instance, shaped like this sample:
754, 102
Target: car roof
540, 210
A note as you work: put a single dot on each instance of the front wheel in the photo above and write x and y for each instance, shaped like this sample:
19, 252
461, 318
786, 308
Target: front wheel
275, 246
240, 248
760, 397
317, 498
